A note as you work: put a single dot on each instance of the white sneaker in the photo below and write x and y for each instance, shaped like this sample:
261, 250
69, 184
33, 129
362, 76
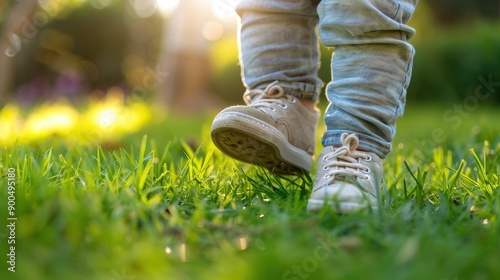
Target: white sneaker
275, 130
347, 179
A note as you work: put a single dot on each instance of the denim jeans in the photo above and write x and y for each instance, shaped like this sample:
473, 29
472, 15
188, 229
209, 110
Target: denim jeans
371, 65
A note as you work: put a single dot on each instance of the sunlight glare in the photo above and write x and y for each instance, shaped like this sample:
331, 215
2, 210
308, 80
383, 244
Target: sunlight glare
224, 9
107, 117
10, 123
167, 7
51, 119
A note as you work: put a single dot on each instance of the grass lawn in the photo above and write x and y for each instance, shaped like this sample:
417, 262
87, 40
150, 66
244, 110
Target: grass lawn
163, 203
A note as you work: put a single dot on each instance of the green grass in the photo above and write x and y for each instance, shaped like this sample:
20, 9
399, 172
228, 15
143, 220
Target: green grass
170, 206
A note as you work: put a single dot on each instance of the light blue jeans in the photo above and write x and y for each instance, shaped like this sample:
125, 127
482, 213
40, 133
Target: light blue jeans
371, 66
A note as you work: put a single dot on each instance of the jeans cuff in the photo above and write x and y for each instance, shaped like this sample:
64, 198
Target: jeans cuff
299, 90
366, 143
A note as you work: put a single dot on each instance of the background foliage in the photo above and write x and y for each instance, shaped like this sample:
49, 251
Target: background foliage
456, 42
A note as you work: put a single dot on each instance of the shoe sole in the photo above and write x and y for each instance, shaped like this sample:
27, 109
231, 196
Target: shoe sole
253, 141
314, 205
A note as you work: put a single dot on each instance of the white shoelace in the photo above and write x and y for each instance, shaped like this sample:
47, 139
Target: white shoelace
272, 94
347, 159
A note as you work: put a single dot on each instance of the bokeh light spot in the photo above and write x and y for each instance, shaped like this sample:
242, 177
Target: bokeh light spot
213, 30
100, 4
15, 45
144, 8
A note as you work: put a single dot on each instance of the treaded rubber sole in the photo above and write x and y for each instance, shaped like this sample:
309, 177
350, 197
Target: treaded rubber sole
250, 140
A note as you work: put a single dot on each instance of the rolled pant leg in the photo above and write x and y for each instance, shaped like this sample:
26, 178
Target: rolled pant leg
278, 42
371, 68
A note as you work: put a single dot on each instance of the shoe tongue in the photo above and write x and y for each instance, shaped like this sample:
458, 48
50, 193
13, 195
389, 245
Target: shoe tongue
330, 149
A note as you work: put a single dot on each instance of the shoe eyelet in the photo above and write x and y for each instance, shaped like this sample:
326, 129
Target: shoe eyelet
273, 109
366, 171
369, 158
327, 176
326, 167
292, 99
284, 106
367, 177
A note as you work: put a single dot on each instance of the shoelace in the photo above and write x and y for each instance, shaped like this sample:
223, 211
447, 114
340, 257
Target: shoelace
272, 94
348, 159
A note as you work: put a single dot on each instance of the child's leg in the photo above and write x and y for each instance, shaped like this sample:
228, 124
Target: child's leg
279, 59
371, 70
278, 42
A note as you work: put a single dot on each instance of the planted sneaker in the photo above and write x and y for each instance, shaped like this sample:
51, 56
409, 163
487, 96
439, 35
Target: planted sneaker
347, 179
274, 130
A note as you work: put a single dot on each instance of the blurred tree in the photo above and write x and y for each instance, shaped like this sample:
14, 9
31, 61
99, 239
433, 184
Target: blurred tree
53, 48
72, 47
186, 58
